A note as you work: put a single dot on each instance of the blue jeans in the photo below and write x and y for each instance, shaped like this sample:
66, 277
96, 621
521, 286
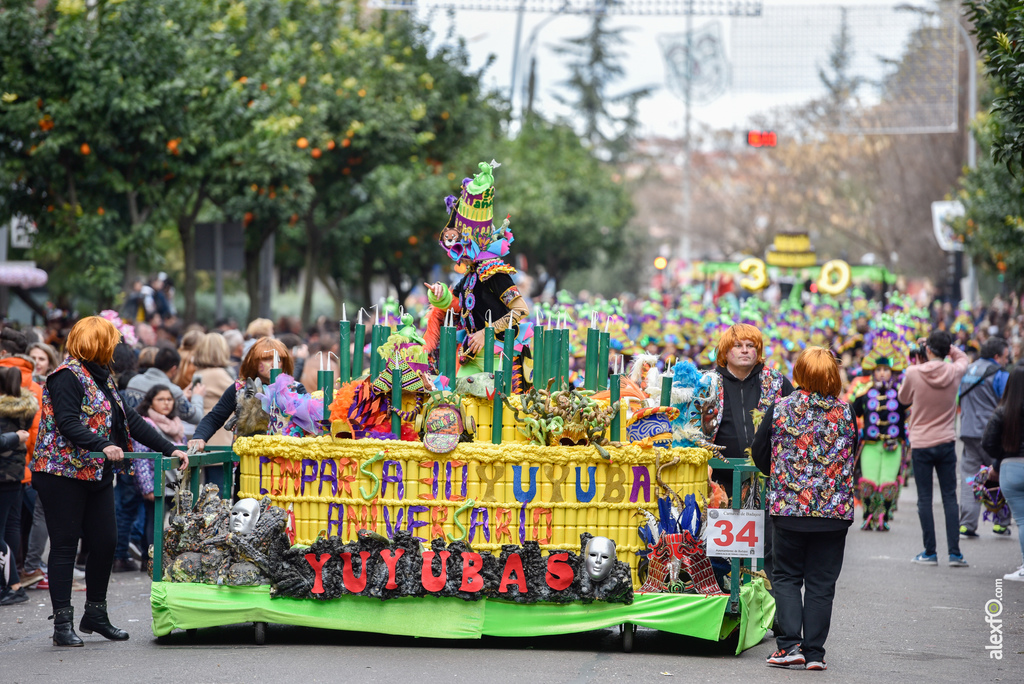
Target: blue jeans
1011, 481
127, 502
942, 459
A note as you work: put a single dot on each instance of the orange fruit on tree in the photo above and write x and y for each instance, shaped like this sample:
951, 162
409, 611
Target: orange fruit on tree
85, 149
302, 143
100, 211
346, 142
330, 144
247, 219
316, 153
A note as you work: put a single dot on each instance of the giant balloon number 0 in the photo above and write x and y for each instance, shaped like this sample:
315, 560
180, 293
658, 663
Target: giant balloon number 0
834, 278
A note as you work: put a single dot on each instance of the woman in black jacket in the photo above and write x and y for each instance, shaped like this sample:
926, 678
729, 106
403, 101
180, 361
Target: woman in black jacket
82, 414
257, 364
1004, 443
17, 409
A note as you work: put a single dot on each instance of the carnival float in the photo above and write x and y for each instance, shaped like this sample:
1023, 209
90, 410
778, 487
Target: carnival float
463, 486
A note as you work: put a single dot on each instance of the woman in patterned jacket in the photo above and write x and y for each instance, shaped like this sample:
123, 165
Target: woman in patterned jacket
82, 414
806, 445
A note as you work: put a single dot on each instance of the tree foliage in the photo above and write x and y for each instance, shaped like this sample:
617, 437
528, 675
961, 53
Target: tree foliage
334, 129
999, 27
992, 227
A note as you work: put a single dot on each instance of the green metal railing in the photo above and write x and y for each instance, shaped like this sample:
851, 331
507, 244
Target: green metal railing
214, 455
742, 470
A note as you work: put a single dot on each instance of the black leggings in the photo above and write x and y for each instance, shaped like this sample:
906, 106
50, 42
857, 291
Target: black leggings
78, 509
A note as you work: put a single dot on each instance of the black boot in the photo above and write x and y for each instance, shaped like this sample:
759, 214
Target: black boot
96, 620
64, 628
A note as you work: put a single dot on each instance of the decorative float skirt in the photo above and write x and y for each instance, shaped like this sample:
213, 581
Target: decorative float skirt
485, 495
193, 606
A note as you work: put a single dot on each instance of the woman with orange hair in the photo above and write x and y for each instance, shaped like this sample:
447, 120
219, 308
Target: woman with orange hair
258, 363
806, 445
82, 414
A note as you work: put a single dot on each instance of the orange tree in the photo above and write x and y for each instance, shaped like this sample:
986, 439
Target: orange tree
85, 117
390, 112
117, 121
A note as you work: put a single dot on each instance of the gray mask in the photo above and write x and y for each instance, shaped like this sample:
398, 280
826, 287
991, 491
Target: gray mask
244, 516
599, 558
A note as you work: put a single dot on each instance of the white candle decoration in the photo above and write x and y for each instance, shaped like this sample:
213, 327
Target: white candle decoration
344, 317
277, 360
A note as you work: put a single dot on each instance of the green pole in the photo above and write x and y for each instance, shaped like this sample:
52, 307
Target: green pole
357, 351
344, 360
496, 418
616, 433
563, 365
538, 355
158, 518
602, 360
488, 349
325, 382
551, 356
666, 388
396, 400
590, 379
506, 362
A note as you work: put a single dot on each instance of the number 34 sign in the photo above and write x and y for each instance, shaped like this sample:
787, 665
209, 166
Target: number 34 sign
735, 534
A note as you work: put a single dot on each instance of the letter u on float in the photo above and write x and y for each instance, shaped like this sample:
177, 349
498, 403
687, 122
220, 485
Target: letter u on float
429, 581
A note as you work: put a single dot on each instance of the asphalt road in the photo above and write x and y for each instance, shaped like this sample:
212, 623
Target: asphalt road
893, 622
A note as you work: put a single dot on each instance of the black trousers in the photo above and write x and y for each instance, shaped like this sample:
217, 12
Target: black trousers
78, 509
10, 500
811, 560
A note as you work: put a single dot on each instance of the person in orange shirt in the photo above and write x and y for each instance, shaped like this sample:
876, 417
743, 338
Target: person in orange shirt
14, 354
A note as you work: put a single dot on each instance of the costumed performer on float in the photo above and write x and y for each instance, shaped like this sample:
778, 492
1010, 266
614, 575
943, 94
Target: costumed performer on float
883, 453
748, 389
486, 293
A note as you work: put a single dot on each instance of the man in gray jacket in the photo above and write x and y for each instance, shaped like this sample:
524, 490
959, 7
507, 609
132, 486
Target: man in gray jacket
189, 406
980, 391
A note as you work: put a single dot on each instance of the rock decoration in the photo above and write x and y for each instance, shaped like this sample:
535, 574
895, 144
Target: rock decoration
200, 546
380, 568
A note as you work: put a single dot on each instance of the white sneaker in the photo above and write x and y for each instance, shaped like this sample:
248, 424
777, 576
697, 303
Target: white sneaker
78, 574
1015, 576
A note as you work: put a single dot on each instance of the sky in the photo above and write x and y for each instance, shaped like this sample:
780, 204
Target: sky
754, 64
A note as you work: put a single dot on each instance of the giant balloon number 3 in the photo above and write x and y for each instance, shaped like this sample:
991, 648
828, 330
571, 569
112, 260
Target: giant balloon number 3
757, 278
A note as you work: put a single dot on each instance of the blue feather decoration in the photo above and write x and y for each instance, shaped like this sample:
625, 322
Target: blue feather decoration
690, 518
667, 523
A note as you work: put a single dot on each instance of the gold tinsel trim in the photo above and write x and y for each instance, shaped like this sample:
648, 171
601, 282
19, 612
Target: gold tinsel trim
297, 448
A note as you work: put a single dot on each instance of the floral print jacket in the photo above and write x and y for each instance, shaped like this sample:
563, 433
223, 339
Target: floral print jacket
54, 453
806, 444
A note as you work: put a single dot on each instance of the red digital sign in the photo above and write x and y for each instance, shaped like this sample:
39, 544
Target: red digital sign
761, 138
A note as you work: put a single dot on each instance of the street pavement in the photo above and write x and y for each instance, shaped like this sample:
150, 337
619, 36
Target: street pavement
893, 622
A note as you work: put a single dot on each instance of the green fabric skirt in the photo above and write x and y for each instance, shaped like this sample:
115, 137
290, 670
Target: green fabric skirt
191, 606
